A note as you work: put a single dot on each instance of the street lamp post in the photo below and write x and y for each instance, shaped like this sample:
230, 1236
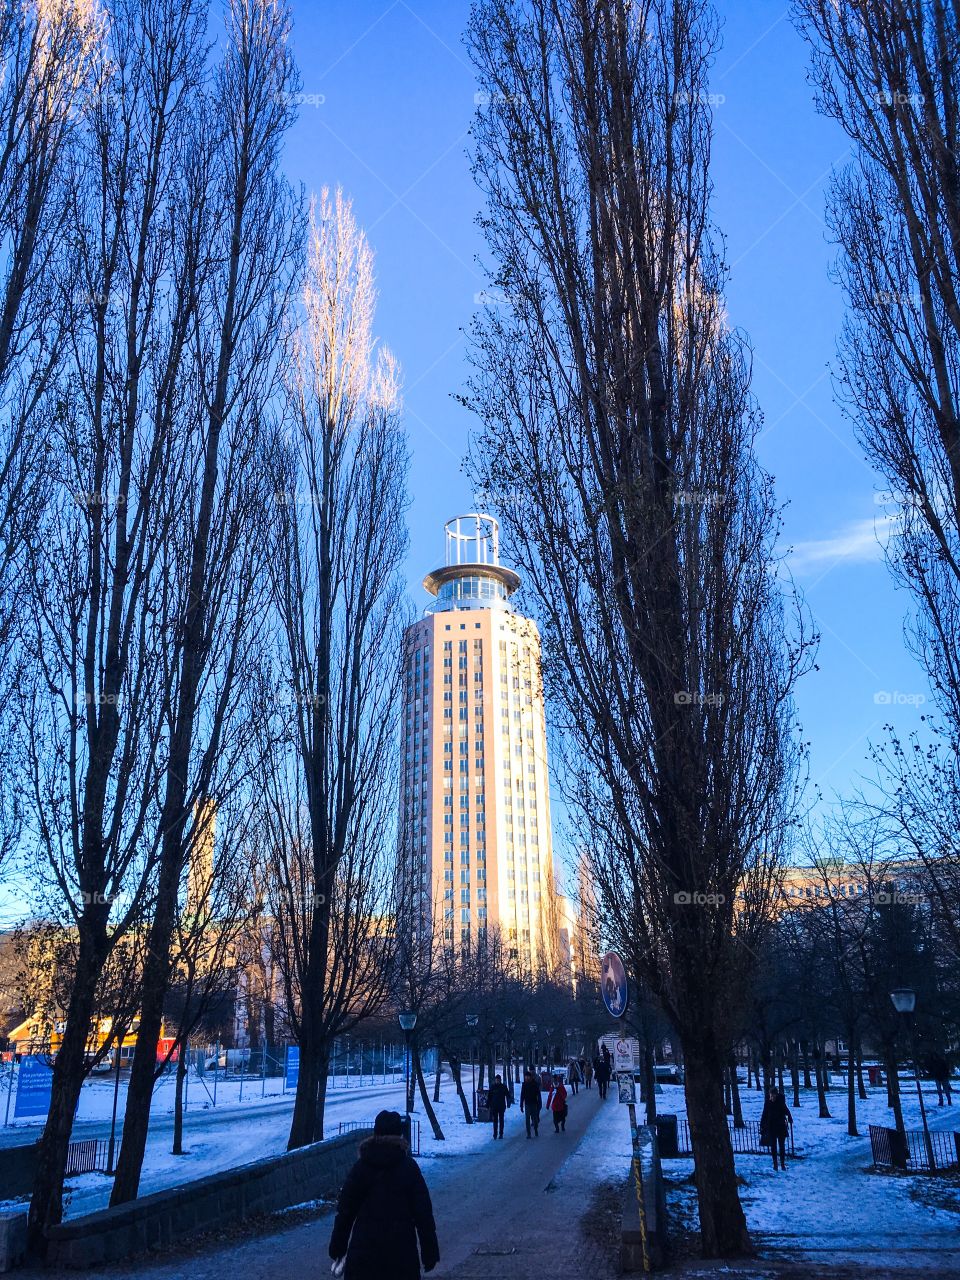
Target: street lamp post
408, 1020
472, 1020
533, 1047
905, 1001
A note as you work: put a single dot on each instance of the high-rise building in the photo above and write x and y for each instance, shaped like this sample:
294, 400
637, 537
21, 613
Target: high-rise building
475, 821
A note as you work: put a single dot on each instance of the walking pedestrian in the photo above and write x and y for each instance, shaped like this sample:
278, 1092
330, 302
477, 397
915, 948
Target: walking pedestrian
773, 1126
384, 1210
531, 1103
940, 1070
573, 1075
557, 1104
602, 1069
497, 1103
588, 1073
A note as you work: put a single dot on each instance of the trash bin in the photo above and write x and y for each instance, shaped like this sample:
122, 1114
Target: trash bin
481, 1111
668, 1144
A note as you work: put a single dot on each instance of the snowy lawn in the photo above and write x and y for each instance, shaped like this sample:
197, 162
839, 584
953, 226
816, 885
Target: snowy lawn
830, 1193
224, 1138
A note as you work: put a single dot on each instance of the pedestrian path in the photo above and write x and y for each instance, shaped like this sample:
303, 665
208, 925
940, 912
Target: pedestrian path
507, 1210
523, 1217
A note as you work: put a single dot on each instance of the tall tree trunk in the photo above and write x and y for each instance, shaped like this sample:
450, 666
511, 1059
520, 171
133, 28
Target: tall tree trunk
455, 1068
807, 1084
861, 1087
436, 1083
851, 1088
727, 1093
795, 1072
156, 974
178, 1102
46, 1203
819, 1070
723, 1227
422, 1084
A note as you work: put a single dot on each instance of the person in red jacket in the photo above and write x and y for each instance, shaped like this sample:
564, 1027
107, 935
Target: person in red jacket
557, 1104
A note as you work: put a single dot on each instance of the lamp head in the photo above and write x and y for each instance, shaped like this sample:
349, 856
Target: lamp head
904, 999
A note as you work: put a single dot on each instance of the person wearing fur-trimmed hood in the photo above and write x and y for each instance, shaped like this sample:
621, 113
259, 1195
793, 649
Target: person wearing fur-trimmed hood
384, 1210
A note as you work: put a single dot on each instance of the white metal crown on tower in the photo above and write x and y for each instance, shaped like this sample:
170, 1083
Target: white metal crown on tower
473, 538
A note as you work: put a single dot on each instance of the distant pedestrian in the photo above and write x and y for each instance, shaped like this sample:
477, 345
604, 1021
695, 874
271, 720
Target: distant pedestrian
384, 1209
602, 1068
573, 1075
557, 1104
773, 1126
940, 1070
588, 1073
531, 1102
497, 1097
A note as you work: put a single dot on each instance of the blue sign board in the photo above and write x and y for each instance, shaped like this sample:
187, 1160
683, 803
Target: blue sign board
613, 984
291, 1068
34, 1086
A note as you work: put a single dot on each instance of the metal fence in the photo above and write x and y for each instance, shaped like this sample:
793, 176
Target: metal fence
745, 1140
891, 1150
89, 1156
412, 1133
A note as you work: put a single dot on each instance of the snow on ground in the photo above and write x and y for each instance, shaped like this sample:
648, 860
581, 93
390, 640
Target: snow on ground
238, 1132
830, 1197
202, 1093
224, 1138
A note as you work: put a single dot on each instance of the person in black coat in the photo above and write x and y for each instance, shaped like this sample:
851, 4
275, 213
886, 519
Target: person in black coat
384, 1208
602, 1072
773, 1125
497, 1104
531, 1102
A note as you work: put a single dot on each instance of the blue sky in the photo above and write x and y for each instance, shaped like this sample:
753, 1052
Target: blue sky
392, 97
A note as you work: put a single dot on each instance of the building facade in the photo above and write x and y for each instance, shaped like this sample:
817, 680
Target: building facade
475, 795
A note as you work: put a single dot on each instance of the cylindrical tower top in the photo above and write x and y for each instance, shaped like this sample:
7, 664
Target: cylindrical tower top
473, 577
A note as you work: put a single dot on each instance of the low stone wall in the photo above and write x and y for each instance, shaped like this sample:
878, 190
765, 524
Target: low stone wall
17, 1168
655, 1209
165, 1218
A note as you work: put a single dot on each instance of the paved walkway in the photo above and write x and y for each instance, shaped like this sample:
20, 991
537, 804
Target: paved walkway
545, 1208
508, 1211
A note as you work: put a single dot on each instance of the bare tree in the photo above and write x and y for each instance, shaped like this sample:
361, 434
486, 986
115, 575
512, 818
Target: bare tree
98, 612
251, 232
212, 924
889, 72
335, 560
618, 432
47, 52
